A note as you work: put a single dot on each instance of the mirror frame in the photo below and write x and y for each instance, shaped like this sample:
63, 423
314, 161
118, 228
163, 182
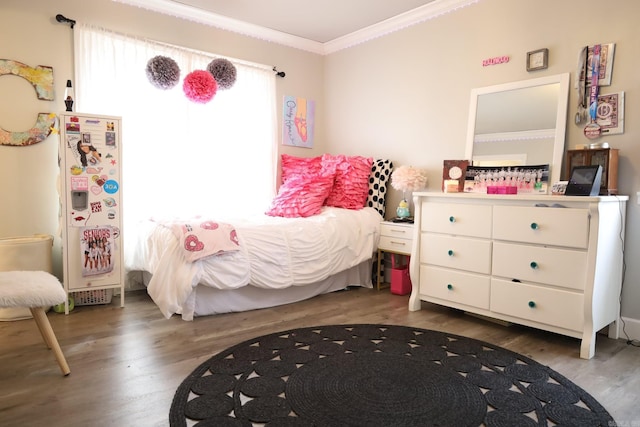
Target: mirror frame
555, 165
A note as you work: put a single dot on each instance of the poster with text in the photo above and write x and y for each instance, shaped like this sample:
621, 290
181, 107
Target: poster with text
299, 116
96, 250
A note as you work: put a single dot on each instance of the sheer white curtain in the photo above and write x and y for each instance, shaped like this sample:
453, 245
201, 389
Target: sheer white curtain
180, 158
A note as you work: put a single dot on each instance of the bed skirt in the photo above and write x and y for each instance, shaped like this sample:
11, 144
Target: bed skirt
217, 301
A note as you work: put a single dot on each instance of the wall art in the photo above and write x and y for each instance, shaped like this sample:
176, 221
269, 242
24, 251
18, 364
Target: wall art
41, 78
299, 116
610, 113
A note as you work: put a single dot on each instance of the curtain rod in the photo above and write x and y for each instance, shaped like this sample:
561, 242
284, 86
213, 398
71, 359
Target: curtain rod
64, 19
177, 47
279, 73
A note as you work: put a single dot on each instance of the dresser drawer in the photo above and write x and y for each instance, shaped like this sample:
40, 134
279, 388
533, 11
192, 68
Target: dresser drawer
455, 286
553, 266
461, 253
457, 219
542, 225
564, 309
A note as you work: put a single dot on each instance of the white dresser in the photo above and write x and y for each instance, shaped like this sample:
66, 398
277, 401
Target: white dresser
549, 262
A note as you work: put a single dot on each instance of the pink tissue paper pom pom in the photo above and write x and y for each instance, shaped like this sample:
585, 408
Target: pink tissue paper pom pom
408, 178
200, 86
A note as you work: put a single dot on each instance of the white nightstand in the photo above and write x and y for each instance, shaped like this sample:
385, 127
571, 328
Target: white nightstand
395, 238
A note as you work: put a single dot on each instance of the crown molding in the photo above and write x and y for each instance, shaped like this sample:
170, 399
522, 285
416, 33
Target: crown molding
412, 17
397, 23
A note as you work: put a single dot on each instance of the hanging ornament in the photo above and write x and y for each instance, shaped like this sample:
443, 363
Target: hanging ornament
223, 71
592, 130
200, 86
163, 72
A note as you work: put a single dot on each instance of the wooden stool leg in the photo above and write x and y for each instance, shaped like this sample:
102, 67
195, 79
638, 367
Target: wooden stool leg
41, 327
50, 338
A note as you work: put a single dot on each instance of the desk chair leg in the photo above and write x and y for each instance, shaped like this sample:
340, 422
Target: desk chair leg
49, 337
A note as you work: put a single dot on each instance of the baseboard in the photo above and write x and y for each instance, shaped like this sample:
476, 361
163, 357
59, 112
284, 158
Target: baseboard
631, 328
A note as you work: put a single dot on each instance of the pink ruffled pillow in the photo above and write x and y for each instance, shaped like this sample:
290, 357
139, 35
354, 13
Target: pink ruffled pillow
294, 166
301, 195
351, 185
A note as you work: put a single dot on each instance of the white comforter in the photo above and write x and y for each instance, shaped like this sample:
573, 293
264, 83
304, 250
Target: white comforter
274, 253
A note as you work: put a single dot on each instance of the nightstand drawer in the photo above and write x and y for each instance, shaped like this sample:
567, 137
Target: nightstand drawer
390, 229
396, 237
395, 244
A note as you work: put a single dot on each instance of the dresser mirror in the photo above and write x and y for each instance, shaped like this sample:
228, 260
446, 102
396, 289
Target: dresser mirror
519, 123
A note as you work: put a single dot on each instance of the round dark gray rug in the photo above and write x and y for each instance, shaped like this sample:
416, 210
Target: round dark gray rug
378, 375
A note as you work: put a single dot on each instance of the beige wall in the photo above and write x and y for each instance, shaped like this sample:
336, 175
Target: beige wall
404, 96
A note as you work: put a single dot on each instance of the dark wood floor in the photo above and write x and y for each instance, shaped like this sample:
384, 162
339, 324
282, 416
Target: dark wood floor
126, 363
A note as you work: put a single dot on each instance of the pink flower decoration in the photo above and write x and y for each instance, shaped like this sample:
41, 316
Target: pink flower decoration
200, 86
408, 178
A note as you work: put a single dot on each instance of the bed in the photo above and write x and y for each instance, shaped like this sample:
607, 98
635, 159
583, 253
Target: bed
319, 235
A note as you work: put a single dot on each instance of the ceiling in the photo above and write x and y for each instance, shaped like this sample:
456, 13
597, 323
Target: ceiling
316, 20
319, 26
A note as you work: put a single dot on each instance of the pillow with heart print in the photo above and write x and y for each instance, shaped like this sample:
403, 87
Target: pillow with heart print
200, 238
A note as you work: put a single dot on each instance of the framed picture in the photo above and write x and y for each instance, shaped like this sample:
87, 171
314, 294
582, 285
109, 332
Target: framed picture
610, 113
453, 175
537, 59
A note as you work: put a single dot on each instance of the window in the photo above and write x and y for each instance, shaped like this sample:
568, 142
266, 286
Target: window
180, 158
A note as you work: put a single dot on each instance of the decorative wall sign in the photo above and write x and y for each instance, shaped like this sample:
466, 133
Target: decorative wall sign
41, 77
45, 124
495, 60
299, 115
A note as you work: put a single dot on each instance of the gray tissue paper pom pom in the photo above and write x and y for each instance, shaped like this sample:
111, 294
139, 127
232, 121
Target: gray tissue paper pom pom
223, 71
163, 72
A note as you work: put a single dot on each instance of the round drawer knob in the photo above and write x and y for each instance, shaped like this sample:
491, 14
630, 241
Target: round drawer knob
450, 286
534, 226
452, 219
534, 265
450, 252
532, 304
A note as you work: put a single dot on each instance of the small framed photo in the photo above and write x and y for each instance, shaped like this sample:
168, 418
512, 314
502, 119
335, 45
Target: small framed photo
453, 175
537, 59
610, 113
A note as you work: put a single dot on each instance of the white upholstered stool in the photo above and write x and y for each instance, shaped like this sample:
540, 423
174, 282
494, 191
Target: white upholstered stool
36, 290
